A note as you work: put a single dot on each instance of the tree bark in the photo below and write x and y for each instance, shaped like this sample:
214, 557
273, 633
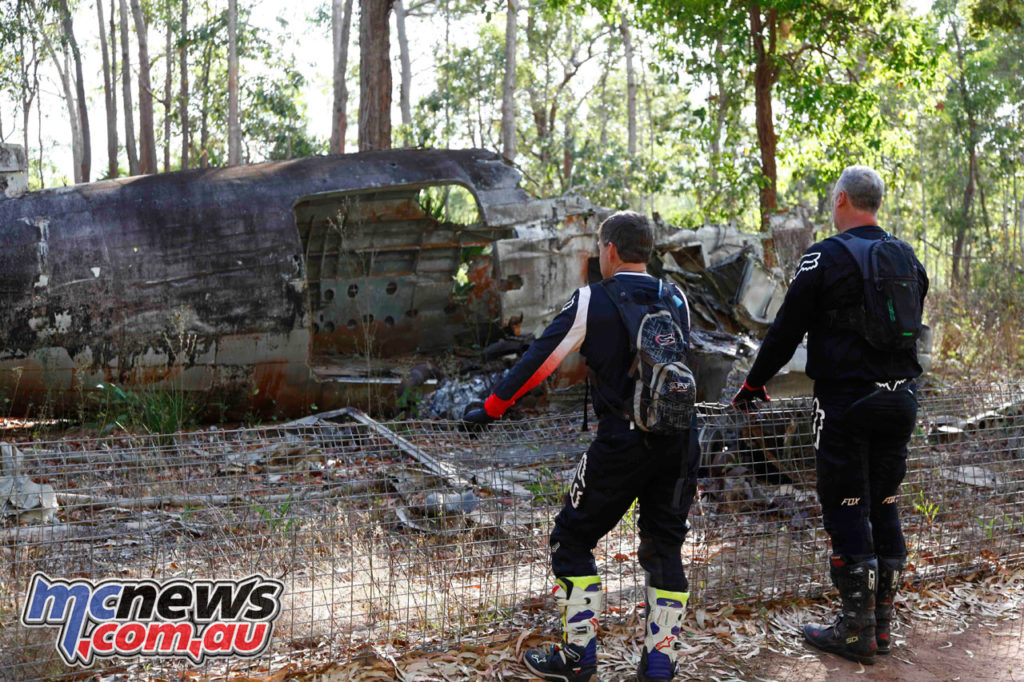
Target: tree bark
28, 92
126, 86
147, 135
204, 126
405, 77
183, 97
234, 130
112, 32
766, 73
341, 24
627, 45
508, 88
374, 75
961, 270
85, 161
108, 91
169, 77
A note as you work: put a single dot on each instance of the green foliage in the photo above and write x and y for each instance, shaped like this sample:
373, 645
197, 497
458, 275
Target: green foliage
271, 111
452, 204
926, 507
277, 519
149, 410
548, 488
465, 105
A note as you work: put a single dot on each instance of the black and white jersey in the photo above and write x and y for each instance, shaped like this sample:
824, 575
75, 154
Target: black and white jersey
590, 323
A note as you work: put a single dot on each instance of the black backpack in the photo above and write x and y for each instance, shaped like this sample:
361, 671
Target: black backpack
664, 392
890, 317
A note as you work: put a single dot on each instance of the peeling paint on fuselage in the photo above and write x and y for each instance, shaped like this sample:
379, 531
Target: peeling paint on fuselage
199, 280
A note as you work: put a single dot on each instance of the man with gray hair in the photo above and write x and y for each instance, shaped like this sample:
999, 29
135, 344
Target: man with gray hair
858, 296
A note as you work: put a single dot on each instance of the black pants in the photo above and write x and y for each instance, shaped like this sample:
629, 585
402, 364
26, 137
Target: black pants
619, 467
861, 434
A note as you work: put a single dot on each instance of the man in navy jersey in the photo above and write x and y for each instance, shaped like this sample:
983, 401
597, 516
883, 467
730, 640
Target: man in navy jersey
865, 409
623, 464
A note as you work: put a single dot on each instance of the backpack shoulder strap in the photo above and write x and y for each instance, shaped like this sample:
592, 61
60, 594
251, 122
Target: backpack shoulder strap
620, 298
674, 300
859, 249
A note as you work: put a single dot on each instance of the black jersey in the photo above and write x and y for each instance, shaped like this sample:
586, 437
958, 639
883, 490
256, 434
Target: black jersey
828, 279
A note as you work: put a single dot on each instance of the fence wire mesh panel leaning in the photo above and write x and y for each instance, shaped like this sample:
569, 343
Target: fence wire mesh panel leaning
420, 534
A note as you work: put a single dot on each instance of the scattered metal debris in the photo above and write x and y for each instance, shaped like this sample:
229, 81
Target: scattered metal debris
20, 496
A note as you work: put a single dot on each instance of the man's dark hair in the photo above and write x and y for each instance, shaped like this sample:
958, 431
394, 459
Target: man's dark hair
631, 233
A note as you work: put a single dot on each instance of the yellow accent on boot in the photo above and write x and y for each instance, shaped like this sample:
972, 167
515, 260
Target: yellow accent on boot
572, 597
655, 593
665, 618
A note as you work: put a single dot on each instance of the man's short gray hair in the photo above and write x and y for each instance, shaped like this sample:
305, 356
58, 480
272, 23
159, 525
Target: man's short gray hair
863, 186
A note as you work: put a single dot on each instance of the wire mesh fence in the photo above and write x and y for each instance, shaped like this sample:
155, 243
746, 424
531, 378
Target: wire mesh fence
420, 534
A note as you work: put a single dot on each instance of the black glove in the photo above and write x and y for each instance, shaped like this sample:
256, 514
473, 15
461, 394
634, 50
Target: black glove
745, 397
475, 417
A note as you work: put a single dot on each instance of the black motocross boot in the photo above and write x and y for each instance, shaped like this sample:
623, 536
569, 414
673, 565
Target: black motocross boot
852, 636
889, 571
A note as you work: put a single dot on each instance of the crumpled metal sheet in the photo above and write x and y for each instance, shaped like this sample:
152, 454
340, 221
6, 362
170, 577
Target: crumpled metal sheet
20, 496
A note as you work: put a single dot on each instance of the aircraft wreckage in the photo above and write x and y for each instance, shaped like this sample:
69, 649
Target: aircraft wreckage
317, 283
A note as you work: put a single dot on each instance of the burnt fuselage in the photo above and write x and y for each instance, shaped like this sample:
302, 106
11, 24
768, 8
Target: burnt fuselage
244, 285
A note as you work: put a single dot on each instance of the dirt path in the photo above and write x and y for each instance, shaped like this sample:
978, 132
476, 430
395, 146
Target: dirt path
927, 654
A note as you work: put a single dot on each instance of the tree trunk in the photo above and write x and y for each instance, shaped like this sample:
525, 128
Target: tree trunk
568, 153
28, 93
961, 276
85, 161
341, 24
204, 125
234, 130
374, 75
169, 77
183, 103
108, 91
126, 85
961, 270
147, 134
627, 45
112, 32
1018, 221
602, 87
508, 88
765, 75
718, 122
69, 98
405, 78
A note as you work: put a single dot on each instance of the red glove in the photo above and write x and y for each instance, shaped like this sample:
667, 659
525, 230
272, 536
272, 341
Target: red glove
745, 397
479, 415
